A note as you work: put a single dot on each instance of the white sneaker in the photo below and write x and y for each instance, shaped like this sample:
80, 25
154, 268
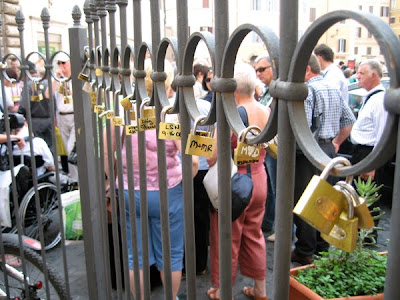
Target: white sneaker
271, 238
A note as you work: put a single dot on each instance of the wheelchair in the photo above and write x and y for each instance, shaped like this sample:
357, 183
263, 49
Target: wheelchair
26, 194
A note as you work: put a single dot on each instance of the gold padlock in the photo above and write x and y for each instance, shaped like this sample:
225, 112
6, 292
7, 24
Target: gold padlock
198, 143
147, 119
272, 147
168, 130
36, 93
61, 87
245, 154
15, 92
361, 210
321, 204
126, 102
344, 233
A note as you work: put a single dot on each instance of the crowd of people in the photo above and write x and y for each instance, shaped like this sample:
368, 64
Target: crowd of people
327, 101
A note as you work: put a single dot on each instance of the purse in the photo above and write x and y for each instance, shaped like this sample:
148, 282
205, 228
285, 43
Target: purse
241, 184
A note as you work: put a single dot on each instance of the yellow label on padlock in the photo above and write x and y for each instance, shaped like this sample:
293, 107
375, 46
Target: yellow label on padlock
131, 129
117, 121
203, 133
126, 103
147, 123
98, 109
109, 114
169, 131
200, 145
16, 98
149, 112
83, 77
99, 72
245, 154
93, 98
133, 115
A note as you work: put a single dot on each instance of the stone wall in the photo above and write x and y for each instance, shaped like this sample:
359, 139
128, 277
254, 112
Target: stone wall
10, 36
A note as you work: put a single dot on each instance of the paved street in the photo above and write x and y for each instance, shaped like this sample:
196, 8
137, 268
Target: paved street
78, 283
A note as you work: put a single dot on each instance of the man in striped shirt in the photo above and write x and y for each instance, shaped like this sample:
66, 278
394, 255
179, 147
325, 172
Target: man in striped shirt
335, 123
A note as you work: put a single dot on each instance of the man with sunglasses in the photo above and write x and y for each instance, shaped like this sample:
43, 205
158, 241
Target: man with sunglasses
265, 74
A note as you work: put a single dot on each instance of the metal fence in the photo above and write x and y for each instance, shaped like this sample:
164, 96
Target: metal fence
94, 52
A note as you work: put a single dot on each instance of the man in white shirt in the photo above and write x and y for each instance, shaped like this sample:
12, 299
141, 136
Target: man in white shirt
372, 116
331, 72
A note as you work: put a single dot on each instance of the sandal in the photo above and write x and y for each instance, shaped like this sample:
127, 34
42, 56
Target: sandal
212, 293
249, 292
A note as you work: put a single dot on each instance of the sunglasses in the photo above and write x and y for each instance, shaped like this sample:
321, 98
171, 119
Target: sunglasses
208, 79
262, 69
61, 63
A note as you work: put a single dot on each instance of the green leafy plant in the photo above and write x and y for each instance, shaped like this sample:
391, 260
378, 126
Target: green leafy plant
344, 274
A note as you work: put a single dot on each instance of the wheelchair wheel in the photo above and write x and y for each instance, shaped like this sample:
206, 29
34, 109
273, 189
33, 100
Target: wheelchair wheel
34, 271
50, 221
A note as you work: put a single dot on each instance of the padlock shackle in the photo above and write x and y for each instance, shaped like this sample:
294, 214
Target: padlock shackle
351, 190
348, 197
332, 163
164, 111
145, 102
244, 132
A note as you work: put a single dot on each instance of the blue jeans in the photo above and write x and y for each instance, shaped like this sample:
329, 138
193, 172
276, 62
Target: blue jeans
269, 216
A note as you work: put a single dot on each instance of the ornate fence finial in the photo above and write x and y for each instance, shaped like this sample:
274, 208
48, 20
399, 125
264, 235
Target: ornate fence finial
101, 8
76, 15
93, 8
122, 2
20, 19
111, 6
88, 12
45, 16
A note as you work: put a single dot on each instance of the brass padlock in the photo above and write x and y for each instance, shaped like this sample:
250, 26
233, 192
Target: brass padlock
147, 119
272, 147
36, 93
321, 204
244, 153
344, 233
61, 87
15, 92
168, 130
361, 210
200, 143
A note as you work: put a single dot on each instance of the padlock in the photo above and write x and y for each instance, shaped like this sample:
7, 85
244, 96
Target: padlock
200, 143
361, 210
321, 204
245, 154
168, 130
15, 92
147, 119
82, 76
36, 93
126, 102
344, 233
61, 87
87, 87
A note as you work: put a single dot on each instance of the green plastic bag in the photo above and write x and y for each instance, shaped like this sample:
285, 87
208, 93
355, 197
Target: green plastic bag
72, 215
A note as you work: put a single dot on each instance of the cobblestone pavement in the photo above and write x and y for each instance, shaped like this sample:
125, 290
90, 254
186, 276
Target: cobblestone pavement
78, 281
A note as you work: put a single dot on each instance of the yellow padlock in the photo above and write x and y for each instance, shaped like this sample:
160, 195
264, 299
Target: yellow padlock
200, 143
321, 204
168, 131
361, 210
344, 233
245, 154
272, 147
147, 120
126, 102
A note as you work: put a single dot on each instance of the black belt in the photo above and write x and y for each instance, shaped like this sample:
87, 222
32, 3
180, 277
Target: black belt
359, 146
66, 113
324, 141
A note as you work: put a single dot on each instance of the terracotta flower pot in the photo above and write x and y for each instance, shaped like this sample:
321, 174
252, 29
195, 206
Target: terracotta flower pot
298, 291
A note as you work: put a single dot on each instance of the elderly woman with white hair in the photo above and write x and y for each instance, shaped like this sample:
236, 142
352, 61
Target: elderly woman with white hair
248, 243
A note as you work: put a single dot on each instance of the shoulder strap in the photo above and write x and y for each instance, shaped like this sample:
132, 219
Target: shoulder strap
243, 115
370, 95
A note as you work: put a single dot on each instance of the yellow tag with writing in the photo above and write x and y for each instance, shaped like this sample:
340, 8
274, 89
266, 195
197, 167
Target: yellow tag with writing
169, 131
203, 133
109, 114
117, 121
149, 112
98, 109
83, 77
147, 123
131, 129
245, 154
133, 115
200, 145
93, 98
126, 103
99, 72
16, 98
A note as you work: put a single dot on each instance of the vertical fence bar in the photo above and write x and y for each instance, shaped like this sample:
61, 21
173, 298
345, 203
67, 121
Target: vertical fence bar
190, 263
286, 158
392, 287
224, 158
45, 16
86, 163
